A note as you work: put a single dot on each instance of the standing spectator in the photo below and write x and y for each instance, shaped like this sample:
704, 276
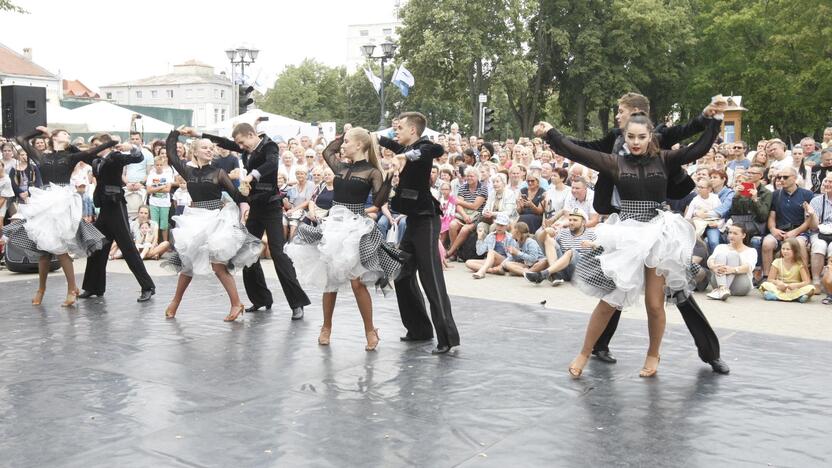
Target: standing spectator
159, 185
8, 157
788, 218
6, 192
788, 278
820, 211
181, 197
24, 176
135, 176
469, 204
732, 265
229, 162
738, 159
447, 203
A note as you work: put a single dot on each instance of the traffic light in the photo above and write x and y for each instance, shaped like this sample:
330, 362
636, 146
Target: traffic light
245, 98
487, 119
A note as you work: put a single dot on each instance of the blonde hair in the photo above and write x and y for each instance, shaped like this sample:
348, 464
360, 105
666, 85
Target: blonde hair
369, 144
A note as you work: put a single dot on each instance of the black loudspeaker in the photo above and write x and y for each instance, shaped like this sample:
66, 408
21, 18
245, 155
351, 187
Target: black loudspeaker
24, 108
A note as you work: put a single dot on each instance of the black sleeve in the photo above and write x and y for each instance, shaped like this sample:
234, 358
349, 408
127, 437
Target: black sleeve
15, 187
224, 143
431, 150
603, 145
134, 157
392, 145
604, 163
173, 158
669, 136
691, 153
331, 154
228, 186
30, 150
271, 154
89, 155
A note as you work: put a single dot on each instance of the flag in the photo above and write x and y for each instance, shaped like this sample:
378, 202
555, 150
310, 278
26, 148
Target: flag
403, 79
376, 81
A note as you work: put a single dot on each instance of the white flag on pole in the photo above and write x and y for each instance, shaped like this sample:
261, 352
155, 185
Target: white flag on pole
376, 81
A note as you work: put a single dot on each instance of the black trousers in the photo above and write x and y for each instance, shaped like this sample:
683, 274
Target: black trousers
112, 222
421, 241
706, 340
269, 219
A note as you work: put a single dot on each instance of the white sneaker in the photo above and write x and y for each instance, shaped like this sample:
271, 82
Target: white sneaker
725, 294
557, 282
716, 294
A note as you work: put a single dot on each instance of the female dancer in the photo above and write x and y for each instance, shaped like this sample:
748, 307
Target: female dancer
52, 222
208, 236
348, 247
645, 249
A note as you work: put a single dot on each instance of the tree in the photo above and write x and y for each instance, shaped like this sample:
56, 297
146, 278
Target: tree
308, 92
7, 5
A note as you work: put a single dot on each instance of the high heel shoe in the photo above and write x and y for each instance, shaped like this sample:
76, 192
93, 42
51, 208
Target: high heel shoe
372, 340
236, 312
70, 298
38, 297
323, 338
170, 312
576, 368
650, 371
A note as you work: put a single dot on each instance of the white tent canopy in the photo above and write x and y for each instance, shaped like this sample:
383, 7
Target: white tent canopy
277, 125
107, 117
429, 132
61, 117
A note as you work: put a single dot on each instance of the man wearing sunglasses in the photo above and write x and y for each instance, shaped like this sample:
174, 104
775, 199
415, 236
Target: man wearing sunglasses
788, 217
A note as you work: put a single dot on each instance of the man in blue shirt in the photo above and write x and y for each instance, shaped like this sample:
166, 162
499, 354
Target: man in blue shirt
788, 217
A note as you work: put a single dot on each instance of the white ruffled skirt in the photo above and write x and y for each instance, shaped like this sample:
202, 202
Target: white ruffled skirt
51, 224
205, 236
615, 272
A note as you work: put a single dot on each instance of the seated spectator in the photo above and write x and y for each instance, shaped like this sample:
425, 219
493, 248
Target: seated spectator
804, 172
705, 202
581, 197
811, 152
776, 152
499, 201
826, 281
87, 206
299, 196
516, 178
391, 219
713, 235
24, 176
820, 218
788, 278
819, 171
6, 191
737, 156
181, 197
563, 249
525, 253
751, 206
530, 203
827, 138
788, 218
495, 247
732, 265
322, 198
469, 204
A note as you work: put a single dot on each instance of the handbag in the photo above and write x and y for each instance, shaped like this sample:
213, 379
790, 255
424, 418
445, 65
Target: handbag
393, 234
825, 229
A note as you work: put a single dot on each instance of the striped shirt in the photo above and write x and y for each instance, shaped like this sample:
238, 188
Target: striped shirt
569, 241
471, 195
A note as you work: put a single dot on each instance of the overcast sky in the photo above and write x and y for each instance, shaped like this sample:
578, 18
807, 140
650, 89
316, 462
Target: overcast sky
106, 41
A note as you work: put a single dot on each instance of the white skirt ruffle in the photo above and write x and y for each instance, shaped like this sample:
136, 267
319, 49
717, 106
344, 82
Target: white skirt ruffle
51, 223
204, 236
664, 243
335, 259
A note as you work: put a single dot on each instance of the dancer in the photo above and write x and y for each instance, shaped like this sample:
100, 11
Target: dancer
52, 222
421, 239
645, 249
679, 185
208, 236
112, 221
260, 157
348, 247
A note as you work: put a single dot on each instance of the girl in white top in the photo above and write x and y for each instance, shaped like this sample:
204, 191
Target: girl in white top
705, 200
733, 264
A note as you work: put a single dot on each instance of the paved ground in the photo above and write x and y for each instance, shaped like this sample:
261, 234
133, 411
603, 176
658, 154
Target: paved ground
111, 383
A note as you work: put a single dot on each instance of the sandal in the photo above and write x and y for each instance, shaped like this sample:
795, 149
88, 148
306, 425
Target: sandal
650, 371
576, 368
827, 300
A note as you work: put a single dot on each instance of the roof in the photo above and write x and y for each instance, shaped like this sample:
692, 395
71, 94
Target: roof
13, 63
173, 79
75, 88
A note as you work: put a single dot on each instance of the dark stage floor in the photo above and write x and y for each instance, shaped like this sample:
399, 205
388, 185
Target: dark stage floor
113, 383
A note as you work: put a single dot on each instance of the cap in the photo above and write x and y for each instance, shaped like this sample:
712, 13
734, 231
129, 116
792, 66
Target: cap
501, 219
577, 212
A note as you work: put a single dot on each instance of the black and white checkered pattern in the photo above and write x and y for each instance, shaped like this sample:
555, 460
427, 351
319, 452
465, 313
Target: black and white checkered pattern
375, 253
208, 204
88, 239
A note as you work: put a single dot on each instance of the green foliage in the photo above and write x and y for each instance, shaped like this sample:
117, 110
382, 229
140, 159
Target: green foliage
7, 5
309, 91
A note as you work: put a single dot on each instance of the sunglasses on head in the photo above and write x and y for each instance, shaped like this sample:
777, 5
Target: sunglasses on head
783, 177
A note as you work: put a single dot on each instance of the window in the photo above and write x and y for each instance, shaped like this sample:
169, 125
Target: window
154, 94
364, 32
189, 93
216, 93
138, 94
387, 31
170, 93
222, 115
109, 96
216, 115
730, 136
222, 94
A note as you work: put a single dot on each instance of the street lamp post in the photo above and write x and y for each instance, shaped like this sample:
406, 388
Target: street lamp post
388, 49
241, 56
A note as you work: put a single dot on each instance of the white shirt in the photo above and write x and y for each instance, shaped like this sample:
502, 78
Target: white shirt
154, 179
585, 206
748, 257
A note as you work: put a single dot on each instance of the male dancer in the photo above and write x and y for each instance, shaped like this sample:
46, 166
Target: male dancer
108, 167
261, 158
679, 185
421, 239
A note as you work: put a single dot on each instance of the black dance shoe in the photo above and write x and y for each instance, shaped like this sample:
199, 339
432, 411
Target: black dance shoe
441, 349
536, 277
297, 313
86, 295
720, 367
605, 356
146, 295
408, 338
256, 308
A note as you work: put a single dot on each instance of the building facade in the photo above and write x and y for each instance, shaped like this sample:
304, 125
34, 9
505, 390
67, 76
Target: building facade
363, 34
192, 85
19, 69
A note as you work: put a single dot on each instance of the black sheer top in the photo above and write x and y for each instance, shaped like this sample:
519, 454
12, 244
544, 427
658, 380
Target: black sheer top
639, 178
57, 167
205, 183
354, 181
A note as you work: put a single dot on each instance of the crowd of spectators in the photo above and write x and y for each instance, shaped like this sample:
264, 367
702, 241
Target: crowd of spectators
763, 218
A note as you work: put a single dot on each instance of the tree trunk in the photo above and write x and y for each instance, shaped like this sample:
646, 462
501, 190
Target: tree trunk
580, 115
604, 118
